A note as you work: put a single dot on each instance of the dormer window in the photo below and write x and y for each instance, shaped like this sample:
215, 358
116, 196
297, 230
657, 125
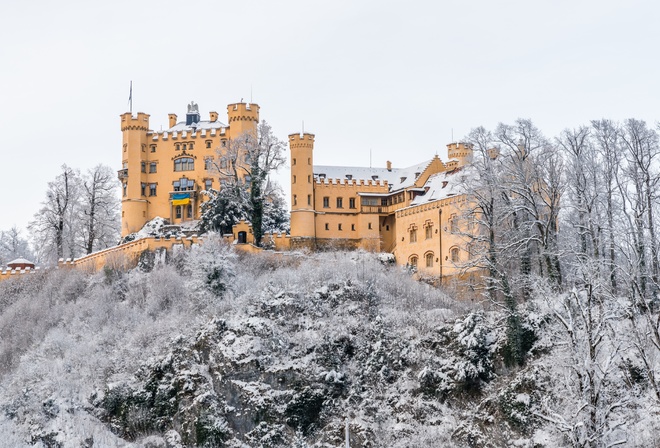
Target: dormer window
444, 183
374, 177
322, 176
417, 175
349, 176
403, 179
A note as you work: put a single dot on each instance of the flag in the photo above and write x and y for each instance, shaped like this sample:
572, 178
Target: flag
130, 97
180, 198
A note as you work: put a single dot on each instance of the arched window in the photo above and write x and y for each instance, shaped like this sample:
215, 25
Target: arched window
208, 143
429, 260
413, 235
454, 255
184, 164
413, 261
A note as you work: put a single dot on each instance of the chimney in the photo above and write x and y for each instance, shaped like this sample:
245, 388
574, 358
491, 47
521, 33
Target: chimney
389, 166
214, 116
172, 118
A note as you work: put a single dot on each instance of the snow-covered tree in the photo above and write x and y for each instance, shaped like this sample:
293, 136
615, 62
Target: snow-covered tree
248, 160
13, 245
99, 213
53, 226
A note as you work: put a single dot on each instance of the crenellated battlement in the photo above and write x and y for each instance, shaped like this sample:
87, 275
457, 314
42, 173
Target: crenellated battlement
327, 182
301, 141
17, 273
243, 112
135, 123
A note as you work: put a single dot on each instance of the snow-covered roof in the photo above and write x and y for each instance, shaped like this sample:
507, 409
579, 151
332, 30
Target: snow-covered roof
204, 124
20, 261
444, 185
397, 178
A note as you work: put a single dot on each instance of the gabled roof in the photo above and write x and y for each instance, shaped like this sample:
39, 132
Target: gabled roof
444, 185
397, 178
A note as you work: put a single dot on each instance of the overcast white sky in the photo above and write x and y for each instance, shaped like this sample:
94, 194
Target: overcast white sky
391, 77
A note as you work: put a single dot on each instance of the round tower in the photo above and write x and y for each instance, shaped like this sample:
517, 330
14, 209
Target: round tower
134, 153
243, 117
302, 185
462, 152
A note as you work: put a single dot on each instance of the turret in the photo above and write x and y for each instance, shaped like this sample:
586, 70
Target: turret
302, 185
462, 152
134, 140
243, 117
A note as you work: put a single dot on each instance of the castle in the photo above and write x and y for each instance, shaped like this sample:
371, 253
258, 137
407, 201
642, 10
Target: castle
163, 172
410, 212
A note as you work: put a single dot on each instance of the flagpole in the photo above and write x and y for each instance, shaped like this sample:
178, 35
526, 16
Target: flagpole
130, 98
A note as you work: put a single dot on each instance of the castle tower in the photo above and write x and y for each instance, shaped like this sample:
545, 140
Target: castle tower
132, 176
243, 117
302, 185
462, 152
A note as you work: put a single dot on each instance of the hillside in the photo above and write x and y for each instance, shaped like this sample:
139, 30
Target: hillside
216, 349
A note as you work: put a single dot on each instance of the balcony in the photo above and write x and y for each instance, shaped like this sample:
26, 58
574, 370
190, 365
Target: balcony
122, 174
378, 209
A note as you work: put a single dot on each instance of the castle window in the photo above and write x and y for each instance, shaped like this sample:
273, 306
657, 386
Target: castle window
208, 143
293, 162
429, 260
453, 224
143, 189
153, 148
413, 235
429, 232
309, 179
152, 189
124, 187
177, 147
454, 254
208, 163
338, 226
327, 226
177, 211
184, 164
189, 211
369, 226
183, 184
326, 202
353, 227
294, 179
208, 184
351, 202
152, 167
143, 167
191, 146
309, 161
417, 175
184, 146
349, 176
413, 262
295, 199
224, 143
340, 202
309, 199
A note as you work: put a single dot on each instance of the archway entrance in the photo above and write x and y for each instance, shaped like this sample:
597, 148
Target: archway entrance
242, 237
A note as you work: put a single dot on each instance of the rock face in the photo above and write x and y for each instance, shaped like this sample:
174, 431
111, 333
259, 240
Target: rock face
209, 348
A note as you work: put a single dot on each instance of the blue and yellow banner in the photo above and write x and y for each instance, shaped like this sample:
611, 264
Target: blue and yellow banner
181, 199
